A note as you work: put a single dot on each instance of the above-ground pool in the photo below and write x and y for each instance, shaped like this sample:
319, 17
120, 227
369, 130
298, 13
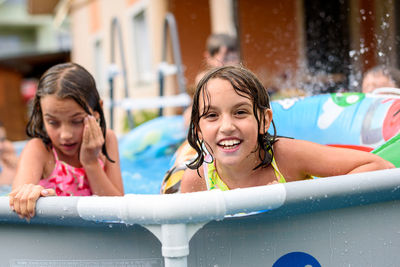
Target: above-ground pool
349, 220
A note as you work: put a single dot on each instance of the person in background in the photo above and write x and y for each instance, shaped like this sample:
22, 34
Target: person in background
221, 50
8, 162
380, 77
71, 152
229, 126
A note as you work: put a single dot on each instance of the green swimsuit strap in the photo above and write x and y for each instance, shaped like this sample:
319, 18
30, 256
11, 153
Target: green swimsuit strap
213, 179
278, 174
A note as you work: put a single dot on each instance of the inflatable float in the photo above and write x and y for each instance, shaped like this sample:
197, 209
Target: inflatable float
337, 221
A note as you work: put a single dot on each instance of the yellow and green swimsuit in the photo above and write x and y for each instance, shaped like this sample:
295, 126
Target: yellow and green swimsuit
213, 180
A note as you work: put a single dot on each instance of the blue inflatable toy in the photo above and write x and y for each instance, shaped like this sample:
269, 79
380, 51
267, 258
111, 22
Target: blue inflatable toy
146, 153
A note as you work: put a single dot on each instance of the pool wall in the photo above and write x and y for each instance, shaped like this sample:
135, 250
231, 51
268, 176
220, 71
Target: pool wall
348, 220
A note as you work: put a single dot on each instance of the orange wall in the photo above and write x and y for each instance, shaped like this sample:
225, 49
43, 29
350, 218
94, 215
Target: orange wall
194, 26
94, 16
269, 37
12, 108
367, 32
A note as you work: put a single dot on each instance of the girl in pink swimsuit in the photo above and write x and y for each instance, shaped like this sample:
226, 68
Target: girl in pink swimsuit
71, 152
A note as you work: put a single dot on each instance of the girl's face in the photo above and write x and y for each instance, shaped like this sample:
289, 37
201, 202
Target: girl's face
64, 123
229, 128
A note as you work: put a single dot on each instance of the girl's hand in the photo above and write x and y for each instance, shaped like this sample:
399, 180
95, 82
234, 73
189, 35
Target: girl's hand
23, 199
92, 142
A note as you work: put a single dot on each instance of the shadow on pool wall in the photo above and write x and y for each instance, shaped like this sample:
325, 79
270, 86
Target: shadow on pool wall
354, 120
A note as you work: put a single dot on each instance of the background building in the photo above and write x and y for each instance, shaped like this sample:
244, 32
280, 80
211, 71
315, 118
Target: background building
305, 46
29, 44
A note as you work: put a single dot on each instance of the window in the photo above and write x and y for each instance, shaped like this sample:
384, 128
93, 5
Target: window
100, 74
142, 48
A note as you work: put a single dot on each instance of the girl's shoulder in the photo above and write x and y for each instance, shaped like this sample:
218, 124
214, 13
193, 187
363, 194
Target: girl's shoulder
36, 144
289, 146
193, 180
37, 153
111, 136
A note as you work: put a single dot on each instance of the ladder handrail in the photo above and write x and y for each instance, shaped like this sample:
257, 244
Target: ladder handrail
116, 29
170, 23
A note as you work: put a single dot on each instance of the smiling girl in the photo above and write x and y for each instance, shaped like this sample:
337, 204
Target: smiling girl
71, 152
229, 126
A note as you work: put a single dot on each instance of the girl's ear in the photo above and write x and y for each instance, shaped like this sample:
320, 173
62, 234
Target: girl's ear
267, 120
96, 115
199, 134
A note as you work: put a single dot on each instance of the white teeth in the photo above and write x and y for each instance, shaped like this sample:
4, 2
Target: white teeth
229, 142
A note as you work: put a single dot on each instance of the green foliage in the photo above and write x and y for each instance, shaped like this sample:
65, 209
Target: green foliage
139, 118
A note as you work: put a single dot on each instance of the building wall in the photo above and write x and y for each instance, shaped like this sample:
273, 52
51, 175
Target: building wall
91, 24
269, 38
12, 108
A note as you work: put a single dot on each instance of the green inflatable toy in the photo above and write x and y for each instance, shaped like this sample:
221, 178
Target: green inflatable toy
390, 150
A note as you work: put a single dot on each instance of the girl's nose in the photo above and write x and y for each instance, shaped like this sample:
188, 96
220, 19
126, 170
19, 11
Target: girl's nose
227, 124
66, 133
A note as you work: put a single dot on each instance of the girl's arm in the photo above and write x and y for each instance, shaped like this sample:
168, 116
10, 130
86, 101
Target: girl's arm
25, 187
299, 158
107, 182
9, 161
192, 182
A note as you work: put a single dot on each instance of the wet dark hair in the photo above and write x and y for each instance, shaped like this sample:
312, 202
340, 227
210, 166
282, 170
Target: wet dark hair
217, 40
245, 84
66, 80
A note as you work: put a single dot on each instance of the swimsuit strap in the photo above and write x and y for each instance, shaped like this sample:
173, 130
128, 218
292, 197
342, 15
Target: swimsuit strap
213, 180
55, 153
278, 174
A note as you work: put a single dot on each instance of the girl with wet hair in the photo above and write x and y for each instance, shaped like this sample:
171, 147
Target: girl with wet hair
229, 126
71, 153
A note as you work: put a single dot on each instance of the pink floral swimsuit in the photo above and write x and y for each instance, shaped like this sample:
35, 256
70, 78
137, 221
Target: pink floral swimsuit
67, 180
